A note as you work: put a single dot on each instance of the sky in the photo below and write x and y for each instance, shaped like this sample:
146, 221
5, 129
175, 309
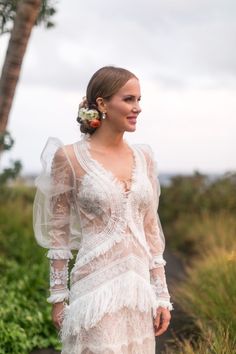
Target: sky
184, 54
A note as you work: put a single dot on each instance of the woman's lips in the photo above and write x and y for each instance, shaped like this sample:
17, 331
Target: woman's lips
132, 119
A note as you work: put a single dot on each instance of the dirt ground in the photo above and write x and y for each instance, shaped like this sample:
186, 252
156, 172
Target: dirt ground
45, 351
174, 274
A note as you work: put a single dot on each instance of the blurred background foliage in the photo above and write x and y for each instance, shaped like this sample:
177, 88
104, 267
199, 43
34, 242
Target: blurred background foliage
198, 218
8, 9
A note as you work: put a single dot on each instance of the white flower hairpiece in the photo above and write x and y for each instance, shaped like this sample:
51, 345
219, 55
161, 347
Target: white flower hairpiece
88, 114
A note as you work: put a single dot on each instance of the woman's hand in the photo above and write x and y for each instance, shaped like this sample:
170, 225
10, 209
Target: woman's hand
162, 320
57, 314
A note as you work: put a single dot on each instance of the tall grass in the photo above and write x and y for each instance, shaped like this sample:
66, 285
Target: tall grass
209, 294
200, 225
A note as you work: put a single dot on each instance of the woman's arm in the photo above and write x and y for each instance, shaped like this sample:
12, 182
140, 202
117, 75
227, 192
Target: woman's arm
59, 232
55, 219
156, 242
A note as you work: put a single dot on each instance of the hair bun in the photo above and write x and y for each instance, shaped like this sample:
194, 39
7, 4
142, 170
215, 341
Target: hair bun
88, 117
83, 103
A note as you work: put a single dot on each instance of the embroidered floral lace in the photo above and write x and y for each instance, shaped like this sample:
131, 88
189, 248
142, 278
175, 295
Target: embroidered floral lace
118, 274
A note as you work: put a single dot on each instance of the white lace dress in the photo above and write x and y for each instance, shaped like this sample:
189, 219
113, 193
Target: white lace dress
118, 280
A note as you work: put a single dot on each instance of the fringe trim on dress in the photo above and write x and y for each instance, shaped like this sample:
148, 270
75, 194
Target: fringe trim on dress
128, 290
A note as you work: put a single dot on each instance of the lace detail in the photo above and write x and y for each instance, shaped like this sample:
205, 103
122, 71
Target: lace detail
127, 290
59, 254
157, 261
58, 277
58, 295
97, 195
102, 276
116, 334
118, 273
159, 286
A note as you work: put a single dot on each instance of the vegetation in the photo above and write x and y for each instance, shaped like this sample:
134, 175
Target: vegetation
199, 222
195, 200
8, 9
202, 229
9, 173
25, 317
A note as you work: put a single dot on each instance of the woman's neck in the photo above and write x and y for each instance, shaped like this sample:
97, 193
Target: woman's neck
107, 139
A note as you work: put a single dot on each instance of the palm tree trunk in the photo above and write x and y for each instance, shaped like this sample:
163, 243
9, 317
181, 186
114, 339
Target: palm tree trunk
26, 15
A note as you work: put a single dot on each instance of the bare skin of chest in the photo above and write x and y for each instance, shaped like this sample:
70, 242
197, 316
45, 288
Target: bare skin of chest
120, 163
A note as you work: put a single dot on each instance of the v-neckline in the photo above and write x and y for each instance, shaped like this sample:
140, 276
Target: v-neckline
105, 171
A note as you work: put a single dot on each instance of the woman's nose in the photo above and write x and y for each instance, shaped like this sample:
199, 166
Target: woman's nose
137, 107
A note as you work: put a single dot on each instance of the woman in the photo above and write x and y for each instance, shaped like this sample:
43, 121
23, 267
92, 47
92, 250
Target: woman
100, 196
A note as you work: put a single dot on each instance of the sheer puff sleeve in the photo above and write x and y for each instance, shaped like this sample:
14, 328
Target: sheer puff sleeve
155, 237
55, 221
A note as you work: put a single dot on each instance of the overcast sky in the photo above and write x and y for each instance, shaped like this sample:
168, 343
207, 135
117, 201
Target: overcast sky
184, 53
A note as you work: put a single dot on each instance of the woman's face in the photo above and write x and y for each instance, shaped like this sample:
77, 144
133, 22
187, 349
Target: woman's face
123, 108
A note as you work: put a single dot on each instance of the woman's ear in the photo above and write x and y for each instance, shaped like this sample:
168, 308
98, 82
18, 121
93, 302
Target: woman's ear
101, 104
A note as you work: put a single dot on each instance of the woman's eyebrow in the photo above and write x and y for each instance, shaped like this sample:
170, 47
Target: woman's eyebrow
129, 95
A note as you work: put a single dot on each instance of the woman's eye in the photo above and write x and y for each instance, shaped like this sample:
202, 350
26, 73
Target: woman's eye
131, 98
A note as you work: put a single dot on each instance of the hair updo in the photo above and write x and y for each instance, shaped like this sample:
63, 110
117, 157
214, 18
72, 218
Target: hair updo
104, 83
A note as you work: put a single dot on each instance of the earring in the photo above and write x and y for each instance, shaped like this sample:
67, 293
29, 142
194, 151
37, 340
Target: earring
103, 115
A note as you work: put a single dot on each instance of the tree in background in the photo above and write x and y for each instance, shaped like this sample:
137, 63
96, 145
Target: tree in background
9, 173
8, 10
18, 18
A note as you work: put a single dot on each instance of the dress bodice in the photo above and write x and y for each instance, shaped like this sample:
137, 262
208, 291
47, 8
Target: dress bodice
103, 203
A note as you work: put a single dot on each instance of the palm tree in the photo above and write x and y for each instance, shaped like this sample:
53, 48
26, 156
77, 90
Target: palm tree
25, 13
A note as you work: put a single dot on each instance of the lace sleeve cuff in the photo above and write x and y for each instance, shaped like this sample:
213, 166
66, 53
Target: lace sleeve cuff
157, 261
162, 303
58, 295
160, 289
58, 280
59, 254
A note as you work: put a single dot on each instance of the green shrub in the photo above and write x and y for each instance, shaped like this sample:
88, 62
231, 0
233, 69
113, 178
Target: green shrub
196, 195
25, 316
186, 205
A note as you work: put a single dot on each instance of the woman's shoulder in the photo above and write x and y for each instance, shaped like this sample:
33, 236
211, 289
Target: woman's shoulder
146, 149
57, 154
57, 149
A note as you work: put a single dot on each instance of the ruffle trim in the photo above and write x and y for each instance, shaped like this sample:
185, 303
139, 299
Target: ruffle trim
162, 303
157, 261
58, 296
59, 254
128, 290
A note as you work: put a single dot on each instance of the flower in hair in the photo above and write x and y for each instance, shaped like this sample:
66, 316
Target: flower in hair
90, 116
95, 123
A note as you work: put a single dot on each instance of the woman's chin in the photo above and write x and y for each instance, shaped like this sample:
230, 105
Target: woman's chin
131, 128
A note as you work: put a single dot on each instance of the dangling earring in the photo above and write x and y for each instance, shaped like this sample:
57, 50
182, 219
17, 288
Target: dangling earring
103, 115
